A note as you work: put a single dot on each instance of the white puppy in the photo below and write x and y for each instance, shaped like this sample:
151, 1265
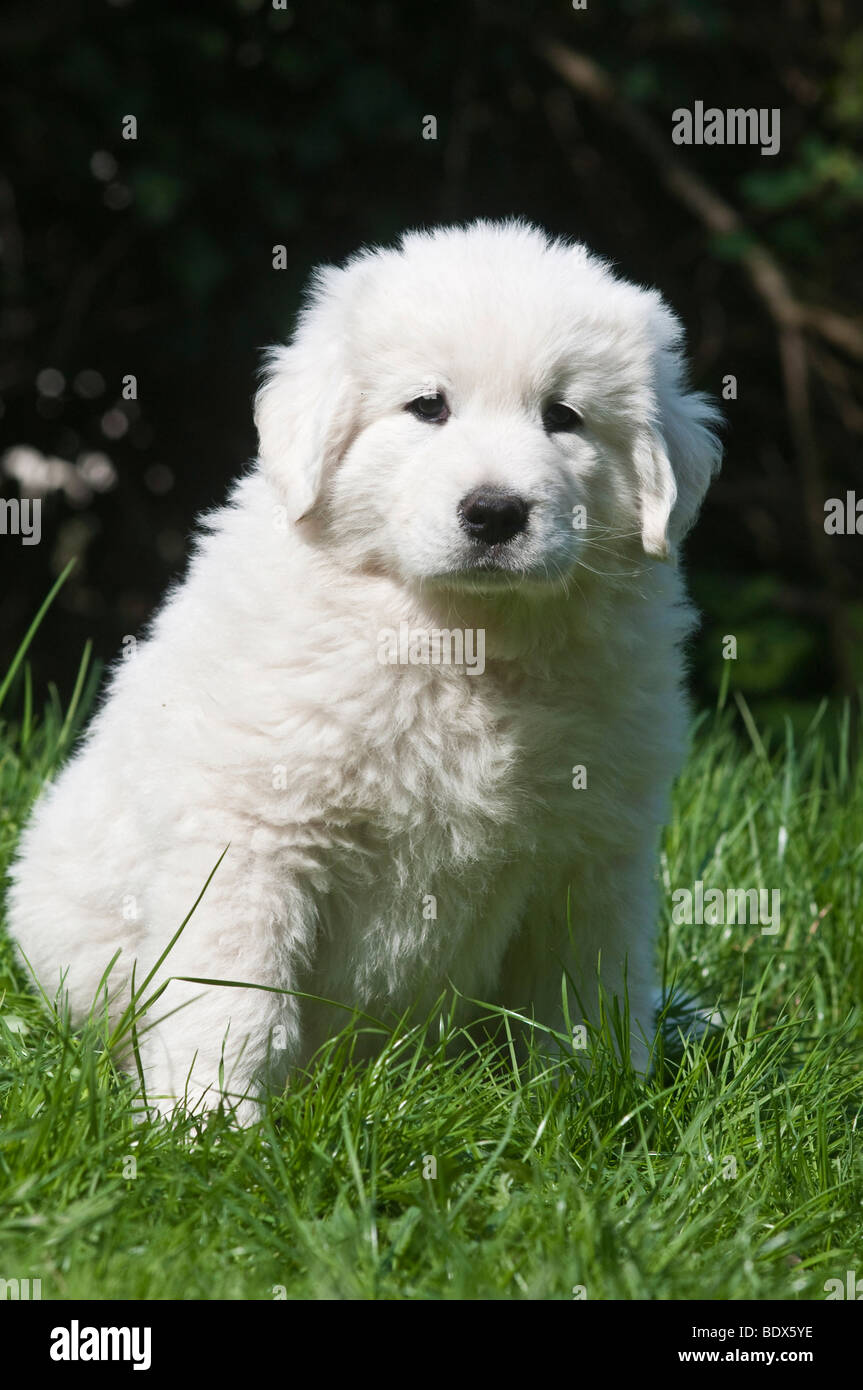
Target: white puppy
480, 434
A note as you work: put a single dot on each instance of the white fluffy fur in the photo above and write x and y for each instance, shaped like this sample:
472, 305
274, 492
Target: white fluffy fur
257, 715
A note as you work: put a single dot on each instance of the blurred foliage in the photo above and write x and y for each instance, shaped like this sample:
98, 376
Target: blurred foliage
303, 126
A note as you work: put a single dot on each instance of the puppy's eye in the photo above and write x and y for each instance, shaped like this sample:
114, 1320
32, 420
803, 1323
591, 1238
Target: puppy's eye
431, 408
558, 418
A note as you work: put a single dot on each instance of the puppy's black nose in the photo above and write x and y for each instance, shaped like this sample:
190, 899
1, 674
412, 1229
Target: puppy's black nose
493, 516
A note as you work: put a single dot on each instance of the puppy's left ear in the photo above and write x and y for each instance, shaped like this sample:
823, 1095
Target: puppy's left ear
678, 452
305, 410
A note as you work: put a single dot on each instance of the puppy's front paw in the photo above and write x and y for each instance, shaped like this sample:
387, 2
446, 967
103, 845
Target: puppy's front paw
242, 1110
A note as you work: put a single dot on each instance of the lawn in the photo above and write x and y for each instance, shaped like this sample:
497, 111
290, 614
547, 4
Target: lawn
733, 1171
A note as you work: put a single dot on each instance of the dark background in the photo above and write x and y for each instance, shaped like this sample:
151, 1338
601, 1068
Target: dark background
303, 127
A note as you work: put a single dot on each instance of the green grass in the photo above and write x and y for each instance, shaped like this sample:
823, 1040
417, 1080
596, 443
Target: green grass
735, 1174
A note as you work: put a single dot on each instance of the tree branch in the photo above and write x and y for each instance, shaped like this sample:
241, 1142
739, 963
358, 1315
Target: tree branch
585, 76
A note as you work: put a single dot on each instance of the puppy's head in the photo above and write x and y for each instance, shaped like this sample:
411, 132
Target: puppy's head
482, 406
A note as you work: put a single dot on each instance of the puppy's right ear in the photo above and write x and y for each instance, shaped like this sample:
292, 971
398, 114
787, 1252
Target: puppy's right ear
305, 410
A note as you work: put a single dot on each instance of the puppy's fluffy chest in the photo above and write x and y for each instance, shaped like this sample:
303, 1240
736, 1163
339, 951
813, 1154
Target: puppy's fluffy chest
448, 825
460, 768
